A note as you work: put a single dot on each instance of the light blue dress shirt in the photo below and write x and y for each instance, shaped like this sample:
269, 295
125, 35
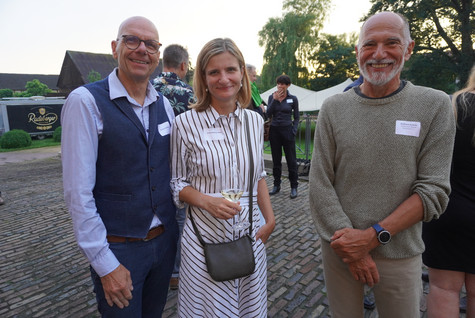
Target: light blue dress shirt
82, 127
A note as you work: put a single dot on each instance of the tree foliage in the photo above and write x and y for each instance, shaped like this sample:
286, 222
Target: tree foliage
334, 61
289, 41
93, 76
440, 28
36, 88
434, 70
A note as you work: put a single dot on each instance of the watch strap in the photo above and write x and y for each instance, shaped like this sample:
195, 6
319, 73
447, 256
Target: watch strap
377, 227
383, 235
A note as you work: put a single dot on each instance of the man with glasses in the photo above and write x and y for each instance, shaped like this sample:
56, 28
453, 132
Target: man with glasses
115, 150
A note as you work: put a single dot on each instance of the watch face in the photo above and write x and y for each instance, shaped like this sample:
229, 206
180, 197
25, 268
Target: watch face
384, 237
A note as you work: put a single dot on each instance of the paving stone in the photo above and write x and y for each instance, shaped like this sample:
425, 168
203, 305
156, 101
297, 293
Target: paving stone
43, 273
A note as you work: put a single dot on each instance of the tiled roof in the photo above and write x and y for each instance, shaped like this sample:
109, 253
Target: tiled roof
17, 82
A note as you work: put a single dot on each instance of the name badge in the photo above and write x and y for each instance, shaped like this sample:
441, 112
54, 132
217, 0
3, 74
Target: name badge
408, 128
214, 134
164, 128
290, 100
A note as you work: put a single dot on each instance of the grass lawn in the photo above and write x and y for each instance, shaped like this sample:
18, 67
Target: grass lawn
300, 140
300, 144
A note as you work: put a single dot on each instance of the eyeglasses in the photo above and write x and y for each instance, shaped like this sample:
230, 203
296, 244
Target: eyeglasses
133, 42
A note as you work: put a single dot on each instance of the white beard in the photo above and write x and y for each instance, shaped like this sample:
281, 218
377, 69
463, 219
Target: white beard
379, 78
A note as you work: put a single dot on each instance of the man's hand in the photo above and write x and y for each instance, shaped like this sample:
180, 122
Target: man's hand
352, 244
365, 271
118, 287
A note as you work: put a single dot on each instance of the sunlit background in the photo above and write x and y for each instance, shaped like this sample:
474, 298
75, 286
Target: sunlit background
36, 34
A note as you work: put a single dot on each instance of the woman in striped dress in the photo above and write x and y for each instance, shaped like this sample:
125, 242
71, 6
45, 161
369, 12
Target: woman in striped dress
210, 152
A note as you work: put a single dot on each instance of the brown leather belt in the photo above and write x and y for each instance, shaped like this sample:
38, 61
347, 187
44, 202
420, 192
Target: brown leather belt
153, 233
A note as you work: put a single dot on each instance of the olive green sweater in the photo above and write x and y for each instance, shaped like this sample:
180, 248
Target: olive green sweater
365, 163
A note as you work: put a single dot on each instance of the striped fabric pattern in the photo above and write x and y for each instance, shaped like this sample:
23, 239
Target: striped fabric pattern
210, 153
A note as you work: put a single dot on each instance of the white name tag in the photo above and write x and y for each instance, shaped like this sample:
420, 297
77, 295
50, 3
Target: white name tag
290, 100
164, 128
214, 134
408, 128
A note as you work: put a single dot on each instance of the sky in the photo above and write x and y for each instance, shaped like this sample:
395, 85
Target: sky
37, 33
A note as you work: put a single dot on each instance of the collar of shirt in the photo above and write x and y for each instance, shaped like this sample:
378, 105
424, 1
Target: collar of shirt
212, 116
116, 90
169, 75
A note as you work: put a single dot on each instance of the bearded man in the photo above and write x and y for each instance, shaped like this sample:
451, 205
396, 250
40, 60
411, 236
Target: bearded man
380, 167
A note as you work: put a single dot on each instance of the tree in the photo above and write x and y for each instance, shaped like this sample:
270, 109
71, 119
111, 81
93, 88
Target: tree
93, 76
289, 41
36, 88
439, 28
438, 71
334, 61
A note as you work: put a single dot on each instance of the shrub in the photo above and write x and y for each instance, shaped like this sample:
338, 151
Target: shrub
57, 134
15, 138
6, 92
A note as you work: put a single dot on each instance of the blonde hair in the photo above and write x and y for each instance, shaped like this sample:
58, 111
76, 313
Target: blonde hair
460, 101
211, 49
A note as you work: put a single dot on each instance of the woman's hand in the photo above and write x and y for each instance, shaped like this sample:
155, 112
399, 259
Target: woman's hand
263, 200
278, 95
221, 208
218, 207
265, 231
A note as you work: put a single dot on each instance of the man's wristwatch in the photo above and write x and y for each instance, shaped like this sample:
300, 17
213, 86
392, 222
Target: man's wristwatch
383, 236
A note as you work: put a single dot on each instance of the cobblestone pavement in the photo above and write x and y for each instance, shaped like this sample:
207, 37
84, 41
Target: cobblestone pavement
43, 274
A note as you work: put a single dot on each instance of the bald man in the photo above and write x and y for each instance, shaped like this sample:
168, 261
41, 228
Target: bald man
380, 167
115, 150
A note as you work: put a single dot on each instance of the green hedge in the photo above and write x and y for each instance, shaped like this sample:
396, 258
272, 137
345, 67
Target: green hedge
15, 138
57, 134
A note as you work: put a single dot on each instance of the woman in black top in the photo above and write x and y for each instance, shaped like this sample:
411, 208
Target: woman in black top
282, 133
450, 251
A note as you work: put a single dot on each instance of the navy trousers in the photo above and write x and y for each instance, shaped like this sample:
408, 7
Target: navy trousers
150, 264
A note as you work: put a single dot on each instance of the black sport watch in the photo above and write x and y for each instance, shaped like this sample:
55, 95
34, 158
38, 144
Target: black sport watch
383, 236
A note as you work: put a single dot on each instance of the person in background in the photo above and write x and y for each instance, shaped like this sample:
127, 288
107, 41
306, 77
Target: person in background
116, 175
211, 153
449, 241
283, 129
171, 84
380, 166
358, 82
257, 103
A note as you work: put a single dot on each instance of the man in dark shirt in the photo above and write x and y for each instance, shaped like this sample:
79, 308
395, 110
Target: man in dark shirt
170, 83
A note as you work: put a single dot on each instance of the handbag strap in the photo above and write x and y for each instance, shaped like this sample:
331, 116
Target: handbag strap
251, 171
251, 184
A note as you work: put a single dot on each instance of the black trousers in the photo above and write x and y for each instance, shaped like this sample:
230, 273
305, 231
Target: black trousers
283, 137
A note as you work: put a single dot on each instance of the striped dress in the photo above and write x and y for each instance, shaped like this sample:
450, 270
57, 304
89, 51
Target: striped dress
210, 153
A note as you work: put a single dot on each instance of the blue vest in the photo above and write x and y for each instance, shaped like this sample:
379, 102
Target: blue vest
132, 173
